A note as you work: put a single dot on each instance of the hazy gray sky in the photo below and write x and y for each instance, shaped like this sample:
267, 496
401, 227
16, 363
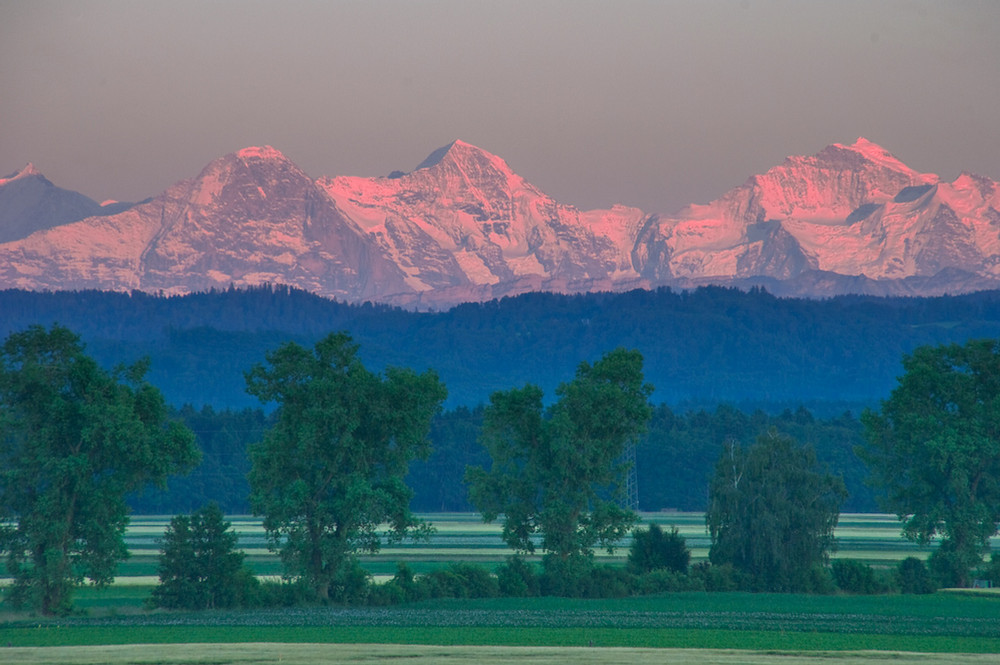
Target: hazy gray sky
652, 104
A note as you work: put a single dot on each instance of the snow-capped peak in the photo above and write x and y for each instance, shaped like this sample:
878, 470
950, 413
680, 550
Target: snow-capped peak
460, 151
875, 153
265, 152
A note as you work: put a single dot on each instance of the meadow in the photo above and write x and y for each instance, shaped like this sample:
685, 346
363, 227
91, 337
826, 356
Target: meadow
946, 627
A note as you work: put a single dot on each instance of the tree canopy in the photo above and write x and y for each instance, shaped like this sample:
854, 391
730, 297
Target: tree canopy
559, 472
74, 439
934, 447
330, 471
200, 566
771, 513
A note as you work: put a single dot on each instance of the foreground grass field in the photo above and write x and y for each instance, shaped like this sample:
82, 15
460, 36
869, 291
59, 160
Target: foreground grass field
941, 623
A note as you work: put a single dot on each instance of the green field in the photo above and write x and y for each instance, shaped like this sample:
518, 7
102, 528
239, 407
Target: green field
763, 628
871, 538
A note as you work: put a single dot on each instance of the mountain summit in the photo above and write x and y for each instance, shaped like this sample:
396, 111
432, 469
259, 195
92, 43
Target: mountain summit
463, 226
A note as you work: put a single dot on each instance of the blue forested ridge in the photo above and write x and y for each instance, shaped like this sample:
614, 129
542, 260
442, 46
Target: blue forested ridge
705, 346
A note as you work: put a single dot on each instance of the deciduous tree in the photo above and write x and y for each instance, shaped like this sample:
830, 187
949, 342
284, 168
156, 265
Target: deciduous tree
772, 512
558, 472
934, 447
74, 440
330, 471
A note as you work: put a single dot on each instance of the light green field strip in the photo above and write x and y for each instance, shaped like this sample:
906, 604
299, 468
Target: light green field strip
308, 654
872, 538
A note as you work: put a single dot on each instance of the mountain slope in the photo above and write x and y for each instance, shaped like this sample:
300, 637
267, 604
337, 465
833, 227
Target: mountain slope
29, 202
248, 218
466, 227
463, 226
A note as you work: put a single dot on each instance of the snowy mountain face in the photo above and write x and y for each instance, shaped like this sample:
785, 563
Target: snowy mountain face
463, 226
848, 219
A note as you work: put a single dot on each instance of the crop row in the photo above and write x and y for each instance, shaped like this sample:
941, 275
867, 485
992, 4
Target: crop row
465, 617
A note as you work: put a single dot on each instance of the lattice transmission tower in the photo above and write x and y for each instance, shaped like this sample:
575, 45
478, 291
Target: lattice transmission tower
631, 481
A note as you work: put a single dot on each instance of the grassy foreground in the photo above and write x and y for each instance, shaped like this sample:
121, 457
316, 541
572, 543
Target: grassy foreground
941, 623
308, 654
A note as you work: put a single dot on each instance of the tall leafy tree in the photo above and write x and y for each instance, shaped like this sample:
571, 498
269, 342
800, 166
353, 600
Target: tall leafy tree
772, 512
934, 447
330, 471
74, 439
558, 472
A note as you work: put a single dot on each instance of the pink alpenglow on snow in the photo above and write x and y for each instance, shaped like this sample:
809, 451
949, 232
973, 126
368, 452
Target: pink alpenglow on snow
464, 226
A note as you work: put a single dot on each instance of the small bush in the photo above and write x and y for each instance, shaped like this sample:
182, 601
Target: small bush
608, 582
722, 577
912, 576
460, 580
856, 577
516, 578
351, 585
281, 594
667, 581
567, 578
402, 588
653, 549
950, 567
991, 572
818, 580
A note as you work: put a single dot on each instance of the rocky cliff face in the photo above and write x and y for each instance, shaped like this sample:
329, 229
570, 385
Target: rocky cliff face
463, 226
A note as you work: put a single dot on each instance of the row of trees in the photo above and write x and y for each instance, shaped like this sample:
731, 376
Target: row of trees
331, 468
675, 439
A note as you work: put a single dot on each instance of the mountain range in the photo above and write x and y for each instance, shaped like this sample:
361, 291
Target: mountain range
463, 226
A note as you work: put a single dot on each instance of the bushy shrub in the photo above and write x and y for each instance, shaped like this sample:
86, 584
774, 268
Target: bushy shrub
912, 576
567, 577
402, 588
608, 582
817, 580
991, 571
516, 578
949, 566
723, 577
653, 549
352, 584
856, 577
460, 580
667, 581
